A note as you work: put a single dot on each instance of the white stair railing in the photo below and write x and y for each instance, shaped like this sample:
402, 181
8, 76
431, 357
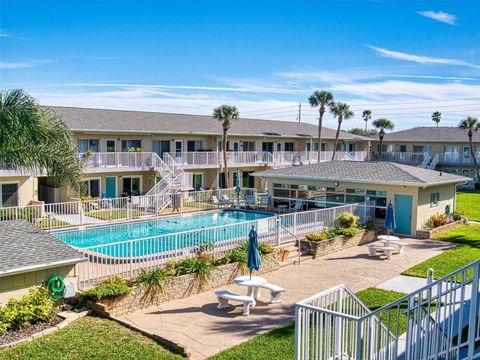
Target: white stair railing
433, 163
426, 160
440, 321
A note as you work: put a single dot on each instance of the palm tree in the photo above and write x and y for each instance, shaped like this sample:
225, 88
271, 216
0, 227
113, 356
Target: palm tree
323, 99
436, 117
366, 115
471, 124
341, 111
382, 124
226, 114
36, 139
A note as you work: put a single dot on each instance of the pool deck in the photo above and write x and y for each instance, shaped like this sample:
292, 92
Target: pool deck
197, 324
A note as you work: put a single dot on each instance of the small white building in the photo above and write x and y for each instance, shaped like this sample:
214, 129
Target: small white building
416, 193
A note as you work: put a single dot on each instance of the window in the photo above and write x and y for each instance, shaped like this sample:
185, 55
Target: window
128, 144
91, 187
288, 146
434, 199
131, 186
8, 195
248, 145
87, 144
110, 145
466, 172
194, 145
324, 147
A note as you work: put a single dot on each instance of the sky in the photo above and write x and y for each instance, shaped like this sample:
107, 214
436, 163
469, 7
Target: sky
401, 59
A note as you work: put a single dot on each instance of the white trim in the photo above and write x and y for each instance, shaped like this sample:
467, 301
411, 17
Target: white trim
10, 183
30, 268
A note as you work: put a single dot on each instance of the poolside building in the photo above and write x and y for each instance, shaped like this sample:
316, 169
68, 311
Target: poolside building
416, 193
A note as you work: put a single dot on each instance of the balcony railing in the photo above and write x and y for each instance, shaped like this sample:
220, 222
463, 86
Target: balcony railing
125, 160
215, 159
453, 158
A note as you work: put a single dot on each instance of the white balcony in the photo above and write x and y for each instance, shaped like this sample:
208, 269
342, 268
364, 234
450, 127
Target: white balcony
453, 158
114, 161
196, 159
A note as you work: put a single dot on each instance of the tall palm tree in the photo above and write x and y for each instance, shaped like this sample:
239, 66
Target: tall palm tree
322, 99
341, 111
382, 124
436, 117
34, 138
472, 125
366, 115
226, 114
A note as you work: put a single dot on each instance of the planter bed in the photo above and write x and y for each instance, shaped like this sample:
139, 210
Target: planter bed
330, 246
178, 287
428, 234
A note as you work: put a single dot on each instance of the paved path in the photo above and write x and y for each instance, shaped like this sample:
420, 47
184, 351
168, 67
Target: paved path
195, 322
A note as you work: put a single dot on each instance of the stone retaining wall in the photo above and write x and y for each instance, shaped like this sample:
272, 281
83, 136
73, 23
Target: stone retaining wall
329, 246
179, 287
427, 234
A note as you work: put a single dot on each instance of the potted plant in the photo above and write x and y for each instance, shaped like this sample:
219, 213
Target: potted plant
88, 154
283, 253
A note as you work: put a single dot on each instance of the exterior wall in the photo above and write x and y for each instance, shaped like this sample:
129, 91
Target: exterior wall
146, 183
17, 285
27, 188
391, 191
425, 210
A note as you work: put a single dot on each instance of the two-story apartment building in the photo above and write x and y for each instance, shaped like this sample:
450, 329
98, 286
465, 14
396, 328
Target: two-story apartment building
440, 148
123, 152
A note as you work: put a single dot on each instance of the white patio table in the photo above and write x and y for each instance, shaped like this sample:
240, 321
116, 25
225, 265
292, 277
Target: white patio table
385, 239
251, 283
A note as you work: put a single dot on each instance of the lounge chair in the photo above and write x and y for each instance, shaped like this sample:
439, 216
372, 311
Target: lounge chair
226, 200
297, 206
215, 201
251, 202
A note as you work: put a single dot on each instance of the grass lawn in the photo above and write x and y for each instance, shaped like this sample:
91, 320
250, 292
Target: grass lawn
443, 264
90, 338
114, 214
279, 344
468, 203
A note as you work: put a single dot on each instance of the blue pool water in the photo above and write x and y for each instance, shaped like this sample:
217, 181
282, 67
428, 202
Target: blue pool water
178, 233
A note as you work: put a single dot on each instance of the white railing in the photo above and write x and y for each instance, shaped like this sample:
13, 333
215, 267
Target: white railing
433, 163
108, 160
126, 258
215, 159
457, 158
439, 321
401, 157
86, 212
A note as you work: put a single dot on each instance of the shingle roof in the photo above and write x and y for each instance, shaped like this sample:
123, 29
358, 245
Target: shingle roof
85, 119
365, 171
22, 245
431, 134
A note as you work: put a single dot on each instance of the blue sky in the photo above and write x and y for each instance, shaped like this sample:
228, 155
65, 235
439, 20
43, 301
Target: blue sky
403, 60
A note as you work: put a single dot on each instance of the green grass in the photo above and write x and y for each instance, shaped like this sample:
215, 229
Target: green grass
279, 344
90, 338
114, 214
45, 223
468, 203
468, 236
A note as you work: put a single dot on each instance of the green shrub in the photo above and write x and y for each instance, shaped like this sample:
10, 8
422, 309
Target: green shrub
202, 267
347, 231
318, 237
153, 281
436, 220
456, 216
112, 287
265, 249
346, 220
33, 308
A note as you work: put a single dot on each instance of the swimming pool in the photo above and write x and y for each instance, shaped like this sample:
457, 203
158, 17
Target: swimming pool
162, 234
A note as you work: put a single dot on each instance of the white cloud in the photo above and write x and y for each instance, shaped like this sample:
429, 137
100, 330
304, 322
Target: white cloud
420, 59
15, 65
440, 16
244, 89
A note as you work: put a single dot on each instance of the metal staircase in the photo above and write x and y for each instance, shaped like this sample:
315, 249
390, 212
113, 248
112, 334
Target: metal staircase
173, 179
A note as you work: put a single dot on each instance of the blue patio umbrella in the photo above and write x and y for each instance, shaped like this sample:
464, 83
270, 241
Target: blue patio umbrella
389, 218
253, 256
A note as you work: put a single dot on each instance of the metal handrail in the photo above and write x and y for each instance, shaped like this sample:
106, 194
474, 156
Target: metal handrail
295, 237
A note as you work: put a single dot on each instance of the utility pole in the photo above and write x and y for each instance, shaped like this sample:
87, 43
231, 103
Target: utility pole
299, 112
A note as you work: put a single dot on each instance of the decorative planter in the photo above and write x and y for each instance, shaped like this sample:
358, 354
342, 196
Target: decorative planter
178, 287
427, 234
329, 246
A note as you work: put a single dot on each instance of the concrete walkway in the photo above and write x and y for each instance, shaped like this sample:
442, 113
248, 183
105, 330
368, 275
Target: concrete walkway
195, 322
